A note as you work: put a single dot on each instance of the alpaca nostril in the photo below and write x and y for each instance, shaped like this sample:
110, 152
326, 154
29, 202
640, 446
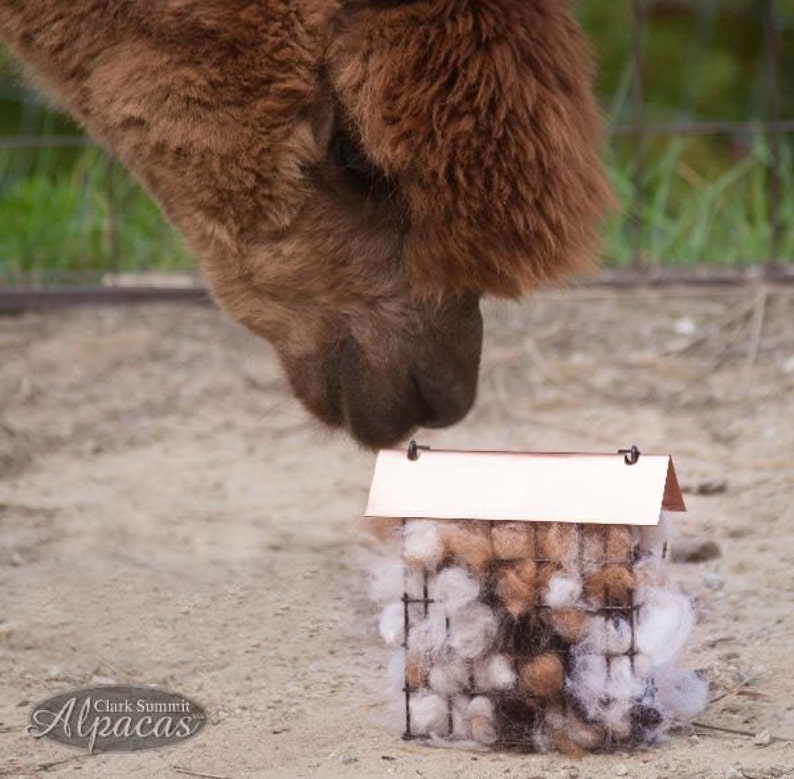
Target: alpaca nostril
441, 406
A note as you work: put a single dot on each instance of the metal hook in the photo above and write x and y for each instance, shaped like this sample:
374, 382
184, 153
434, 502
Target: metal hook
414, 449
630, 456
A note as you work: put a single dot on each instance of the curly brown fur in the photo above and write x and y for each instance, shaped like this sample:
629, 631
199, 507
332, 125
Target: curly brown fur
351, 177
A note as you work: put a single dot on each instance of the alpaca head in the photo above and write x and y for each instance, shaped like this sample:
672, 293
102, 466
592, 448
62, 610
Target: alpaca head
448, 151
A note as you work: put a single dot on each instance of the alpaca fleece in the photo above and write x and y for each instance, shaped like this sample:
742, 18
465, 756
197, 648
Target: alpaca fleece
477, 134
575, 650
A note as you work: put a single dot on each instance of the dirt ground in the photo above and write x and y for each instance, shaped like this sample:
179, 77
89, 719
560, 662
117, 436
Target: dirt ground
169, 515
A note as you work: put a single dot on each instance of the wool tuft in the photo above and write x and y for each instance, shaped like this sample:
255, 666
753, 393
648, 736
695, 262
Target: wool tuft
422, 545
681, 693
454, 587
562, 590
450, 678
494, 673
513, 540
392, 624
429, 714
468, 542
664, 621
472, 630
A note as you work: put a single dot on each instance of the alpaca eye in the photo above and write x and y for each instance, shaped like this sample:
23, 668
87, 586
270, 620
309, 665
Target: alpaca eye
351, 160
356, 169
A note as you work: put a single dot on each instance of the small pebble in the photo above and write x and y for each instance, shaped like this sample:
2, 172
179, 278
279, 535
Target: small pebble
621, 770
220, 716
713, 580
733, 773
349, 759
763, 738
57, 673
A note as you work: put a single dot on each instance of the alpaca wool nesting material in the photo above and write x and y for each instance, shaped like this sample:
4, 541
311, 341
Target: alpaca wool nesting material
574, 650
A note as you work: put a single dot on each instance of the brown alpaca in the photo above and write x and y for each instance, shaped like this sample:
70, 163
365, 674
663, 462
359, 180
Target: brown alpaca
352, 177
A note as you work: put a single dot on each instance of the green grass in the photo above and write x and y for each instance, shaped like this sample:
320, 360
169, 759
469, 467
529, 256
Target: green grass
79, 218
78, 215
697, 209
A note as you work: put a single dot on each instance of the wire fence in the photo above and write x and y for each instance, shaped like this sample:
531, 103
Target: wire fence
726, 216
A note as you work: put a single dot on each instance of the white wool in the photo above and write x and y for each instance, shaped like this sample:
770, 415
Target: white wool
395, 672
662, 624
472, 630
386, 579
588, 682
461, 721
450, 677
642, 666
607, 635
413, 583
392, 624
483, 727
563, 590
649, 575
481, 706
681, 693
454, 588
483, 730
422, 542
428, 635
605, 688
429, 714
653, 537
622, 683
494, 673
616, 717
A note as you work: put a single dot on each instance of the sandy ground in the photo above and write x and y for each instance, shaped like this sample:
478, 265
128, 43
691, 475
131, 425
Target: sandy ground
169, 515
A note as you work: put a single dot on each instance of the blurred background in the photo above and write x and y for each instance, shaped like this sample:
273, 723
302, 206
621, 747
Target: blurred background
699, 96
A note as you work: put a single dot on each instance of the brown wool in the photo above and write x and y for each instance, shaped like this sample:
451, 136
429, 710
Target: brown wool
545, 573
558, 542
582, 733
620, 731
468, 542
515, 586
483, 730
513, 540
416, 671
566, 745
612, 586
620, 542
382, 529
569, 624
594, 545
570, 733
542, 677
